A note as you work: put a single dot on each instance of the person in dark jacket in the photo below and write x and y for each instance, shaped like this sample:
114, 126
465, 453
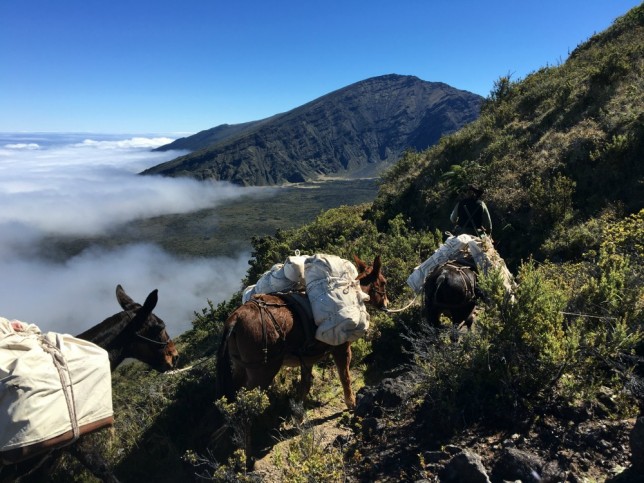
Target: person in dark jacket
470, 215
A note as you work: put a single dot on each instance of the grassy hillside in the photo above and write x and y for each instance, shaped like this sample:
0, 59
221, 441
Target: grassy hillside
558, 373
553, 151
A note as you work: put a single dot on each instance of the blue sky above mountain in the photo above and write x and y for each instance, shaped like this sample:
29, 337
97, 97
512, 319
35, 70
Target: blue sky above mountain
179, 68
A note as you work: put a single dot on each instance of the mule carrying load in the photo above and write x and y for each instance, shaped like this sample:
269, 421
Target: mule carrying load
478, 252
336, 300
53, 388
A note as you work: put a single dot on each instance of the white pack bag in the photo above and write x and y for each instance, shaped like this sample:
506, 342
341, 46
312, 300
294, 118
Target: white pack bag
294, 269
248, 293
282, 277
274, 280
447, 251
337, 302
42, 401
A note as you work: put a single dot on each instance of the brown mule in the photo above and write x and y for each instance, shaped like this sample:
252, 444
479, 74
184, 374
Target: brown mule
134, 332
272, 331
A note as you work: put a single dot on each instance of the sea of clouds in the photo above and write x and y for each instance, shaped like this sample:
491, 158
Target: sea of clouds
84, 185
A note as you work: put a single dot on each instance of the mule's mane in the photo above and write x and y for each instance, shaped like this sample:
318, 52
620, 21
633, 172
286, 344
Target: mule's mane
105, 332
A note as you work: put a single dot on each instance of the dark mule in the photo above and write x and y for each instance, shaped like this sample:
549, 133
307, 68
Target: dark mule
136, 333
271, 331
451, 289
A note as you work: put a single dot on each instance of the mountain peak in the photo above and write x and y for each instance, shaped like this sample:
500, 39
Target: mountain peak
355, 131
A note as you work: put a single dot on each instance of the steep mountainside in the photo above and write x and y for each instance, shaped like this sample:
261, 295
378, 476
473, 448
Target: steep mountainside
355, 131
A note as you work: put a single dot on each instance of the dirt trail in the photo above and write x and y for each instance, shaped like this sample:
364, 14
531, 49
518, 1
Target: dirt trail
324, 419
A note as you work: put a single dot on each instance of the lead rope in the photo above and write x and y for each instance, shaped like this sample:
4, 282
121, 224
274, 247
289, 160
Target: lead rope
66, 383
393, 311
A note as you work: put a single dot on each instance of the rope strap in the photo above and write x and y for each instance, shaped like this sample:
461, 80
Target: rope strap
393, 311
66, 384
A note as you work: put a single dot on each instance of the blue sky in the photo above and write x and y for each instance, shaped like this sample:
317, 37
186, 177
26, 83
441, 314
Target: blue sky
143, 66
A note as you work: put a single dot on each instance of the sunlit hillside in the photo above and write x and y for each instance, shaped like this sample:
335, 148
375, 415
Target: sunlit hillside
547, 388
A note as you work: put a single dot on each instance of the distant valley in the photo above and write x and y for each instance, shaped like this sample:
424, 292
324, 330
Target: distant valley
226, 230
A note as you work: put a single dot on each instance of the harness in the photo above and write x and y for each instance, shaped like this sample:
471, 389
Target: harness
470, 214
470, 218
162, 343
261, 308
301, 309
468, 283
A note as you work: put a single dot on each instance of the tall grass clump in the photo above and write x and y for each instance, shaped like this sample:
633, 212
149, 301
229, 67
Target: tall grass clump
308, 457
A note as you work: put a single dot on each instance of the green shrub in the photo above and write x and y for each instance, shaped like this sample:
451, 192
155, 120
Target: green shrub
306, 458
207, 327
239, 417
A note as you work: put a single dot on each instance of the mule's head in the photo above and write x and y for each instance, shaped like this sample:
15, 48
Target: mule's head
373, 282
148, 340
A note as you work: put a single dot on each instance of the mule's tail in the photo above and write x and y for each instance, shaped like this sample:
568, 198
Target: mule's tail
224, 380
453, 287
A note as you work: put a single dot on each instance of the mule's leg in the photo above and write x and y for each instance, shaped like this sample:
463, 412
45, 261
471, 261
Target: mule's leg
468, 315
462, 316
239, 377
470, 321
434, 317
262, 375
306, 380
342, 358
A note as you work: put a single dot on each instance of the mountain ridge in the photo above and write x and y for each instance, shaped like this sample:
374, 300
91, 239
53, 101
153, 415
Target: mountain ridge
357, 130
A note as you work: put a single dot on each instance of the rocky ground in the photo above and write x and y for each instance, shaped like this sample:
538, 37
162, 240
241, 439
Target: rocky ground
396, 445
387, 440
552, 449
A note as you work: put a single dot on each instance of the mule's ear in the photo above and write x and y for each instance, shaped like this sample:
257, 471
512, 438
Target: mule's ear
377, 265
123, 299
362, 266
151, 301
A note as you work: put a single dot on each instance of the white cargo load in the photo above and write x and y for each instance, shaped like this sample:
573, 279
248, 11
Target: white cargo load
273, 280
294, 269
487, 258
53, 387
447, 251
337, 302
481, 250
336, 299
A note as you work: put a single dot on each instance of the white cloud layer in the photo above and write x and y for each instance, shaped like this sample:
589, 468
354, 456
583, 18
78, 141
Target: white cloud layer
86, 188
78, 294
